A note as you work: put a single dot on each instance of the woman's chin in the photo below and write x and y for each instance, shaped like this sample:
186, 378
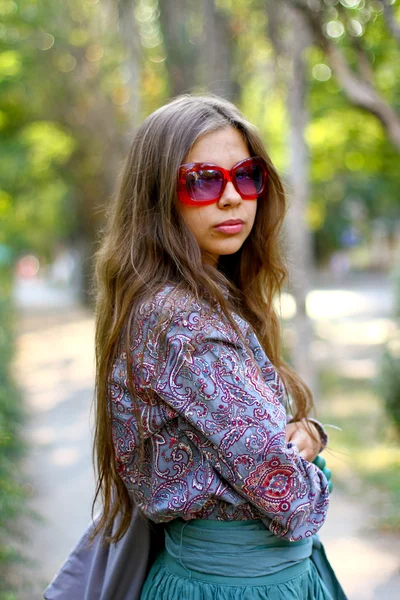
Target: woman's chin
225, 247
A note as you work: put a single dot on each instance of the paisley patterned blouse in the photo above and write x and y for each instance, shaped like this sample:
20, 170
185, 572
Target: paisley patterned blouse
214, 421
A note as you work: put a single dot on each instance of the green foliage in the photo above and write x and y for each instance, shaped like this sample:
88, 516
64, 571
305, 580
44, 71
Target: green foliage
389, 381
396, 289
62, 106
12, 495
33, 149
352, 162
363, 454
61, 140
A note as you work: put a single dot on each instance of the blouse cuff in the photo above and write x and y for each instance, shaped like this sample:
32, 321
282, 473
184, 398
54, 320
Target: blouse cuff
321, 432
320, 428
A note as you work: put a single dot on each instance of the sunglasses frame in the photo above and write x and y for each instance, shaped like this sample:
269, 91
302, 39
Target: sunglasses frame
229, 175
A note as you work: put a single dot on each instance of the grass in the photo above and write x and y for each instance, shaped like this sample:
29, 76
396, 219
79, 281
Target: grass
364, 456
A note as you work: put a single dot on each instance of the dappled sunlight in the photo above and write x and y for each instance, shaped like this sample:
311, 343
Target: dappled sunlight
378, 457
285, 306
57, 364
46, 398
357, 368
332, 304
340, 463
359, 333
371, 459
353, 404
323, 305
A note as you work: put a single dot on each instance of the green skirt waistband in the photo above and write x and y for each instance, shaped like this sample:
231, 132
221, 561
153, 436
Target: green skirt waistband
217, 548
274, 578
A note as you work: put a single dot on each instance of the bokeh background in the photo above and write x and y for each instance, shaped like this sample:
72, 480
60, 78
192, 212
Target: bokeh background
320, 79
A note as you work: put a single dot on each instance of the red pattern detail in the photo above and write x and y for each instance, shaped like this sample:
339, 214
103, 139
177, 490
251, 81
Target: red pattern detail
272, 484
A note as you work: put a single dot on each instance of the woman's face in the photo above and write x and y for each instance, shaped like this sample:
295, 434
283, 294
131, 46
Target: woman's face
225, 147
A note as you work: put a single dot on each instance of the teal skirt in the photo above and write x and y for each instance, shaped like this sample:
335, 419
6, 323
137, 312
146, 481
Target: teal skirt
235, 560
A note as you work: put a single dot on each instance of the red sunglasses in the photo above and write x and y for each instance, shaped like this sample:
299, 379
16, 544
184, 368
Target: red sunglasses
204, 183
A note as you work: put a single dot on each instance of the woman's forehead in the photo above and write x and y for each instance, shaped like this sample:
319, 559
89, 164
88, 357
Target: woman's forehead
222, 146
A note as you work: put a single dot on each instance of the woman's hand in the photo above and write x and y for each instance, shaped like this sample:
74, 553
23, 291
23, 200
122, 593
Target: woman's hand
298, 433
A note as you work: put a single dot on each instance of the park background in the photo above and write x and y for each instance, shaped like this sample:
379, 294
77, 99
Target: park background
320, 79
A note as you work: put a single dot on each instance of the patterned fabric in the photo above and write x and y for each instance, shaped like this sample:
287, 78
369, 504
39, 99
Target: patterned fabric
212, 410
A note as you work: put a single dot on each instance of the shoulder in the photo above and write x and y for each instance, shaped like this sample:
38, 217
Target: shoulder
173, 310
166, 304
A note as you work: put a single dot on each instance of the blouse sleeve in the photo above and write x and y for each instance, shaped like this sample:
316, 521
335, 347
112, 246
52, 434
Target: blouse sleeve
235, 416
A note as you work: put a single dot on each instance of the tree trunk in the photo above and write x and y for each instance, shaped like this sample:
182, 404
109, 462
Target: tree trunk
362, 93
181, 49
129, 32
359, 88
289, 35
216, 51
298, 232
391, 22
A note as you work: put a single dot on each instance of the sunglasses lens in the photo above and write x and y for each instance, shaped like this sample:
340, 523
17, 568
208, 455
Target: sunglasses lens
203, 185
250, 179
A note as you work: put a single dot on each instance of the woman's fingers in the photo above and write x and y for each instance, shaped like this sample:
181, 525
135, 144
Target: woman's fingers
298, 433
320, 462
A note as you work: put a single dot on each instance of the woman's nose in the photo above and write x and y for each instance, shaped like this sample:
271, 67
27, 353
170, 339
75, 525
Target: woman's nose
230, 197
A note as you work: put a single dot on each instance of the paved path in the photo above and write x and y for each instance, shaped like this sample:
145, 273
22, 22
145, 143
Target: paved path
55, 365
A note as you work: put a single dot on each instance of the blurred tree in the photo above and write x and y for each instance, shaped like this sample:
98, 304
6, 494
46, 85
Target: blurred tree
198, 46
392, 24
353, 164
216, 51
340, 32
34, 149
103, 65
131, 64
297, 228
290, 37
62, 142
181, 29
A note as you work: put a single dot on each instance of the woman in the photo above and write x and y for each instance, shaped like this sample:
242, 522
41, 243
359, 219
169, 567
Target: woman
191, 407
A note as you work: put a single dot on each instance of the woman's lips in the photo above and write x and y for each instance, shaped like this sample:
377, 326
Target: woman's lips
230, 227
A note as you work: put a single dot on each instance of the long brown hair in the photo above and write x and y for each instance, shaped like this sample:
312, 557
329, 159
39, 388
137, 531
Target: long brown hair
146, 245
